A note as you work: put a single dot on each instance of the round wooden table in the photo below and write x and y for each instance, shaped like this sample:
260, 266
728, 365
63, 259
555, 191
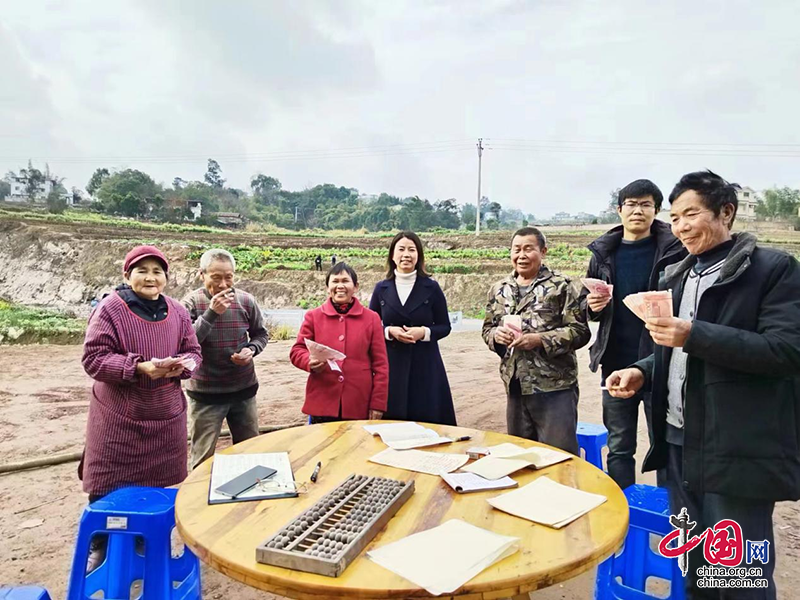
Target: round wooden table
225, 536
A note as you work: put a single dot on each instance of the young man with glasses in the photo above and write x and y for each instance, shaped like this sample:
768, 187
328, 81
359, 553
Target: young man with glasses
625, 256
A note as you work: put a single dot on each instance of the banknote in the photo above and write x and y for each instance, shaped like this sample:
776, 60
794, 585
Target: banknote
657, 304
514, 323
636, 305
187, 362
598, 286
647, 305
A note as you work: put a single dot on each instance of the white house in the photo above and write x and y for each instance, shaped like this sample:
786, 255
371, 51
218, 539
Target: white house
748, 200
195, 208
19, 192
562, 217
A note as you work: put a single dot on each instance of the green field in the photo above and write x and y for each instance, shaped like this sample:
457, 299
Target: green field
257, 259
23, 325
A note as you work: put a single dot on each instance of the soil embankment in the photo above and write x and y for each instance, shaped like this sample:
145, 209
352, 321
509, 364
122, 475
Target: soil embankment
65, 266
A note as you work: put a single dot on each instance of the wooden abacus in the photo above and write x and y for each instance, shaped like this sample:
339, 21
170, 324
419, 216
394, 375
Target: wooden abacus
327, 537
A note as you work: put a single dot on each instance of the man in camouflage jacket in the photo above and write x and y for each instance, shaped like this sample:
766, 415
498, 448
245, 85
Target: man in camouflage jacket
538, 367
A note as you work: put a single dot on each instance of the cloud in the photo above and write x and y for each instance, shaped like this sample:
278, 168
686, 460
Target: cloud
162, 86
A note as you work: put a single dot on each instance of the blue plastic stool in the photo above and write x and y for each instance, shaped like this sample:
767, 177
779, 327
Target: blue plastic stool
28, 592
649, 513
123, 515
592, 438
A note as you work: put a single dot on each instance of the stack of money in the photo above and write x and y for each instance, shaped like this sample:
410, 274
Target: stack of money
647, 305
598, 286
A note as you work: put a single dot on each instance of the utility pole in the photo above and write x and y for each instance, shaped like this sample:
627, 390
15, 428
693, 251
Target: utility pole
478, 205
295, 214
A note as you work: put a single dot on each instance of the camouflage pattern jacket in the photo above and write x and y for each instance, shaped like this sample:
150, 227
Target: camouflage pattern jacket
552, 309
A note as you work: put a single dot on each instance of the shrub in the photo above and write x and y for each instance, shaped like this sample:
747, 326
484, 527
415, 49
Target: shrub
278, 331
283, 332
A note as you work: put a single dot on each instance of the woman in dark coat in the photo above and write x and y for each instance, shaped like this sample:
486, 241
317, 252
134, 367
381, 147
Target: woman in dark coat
413, 310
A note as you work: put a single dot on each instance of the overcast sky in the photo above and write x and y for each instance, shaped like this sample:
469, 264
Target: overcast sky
574, 98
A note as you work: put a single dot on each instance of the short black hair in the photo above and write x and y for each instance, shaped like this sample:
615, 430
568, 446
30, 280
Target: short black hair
526, 231
420, 266
341, 267
641, 188
713, 189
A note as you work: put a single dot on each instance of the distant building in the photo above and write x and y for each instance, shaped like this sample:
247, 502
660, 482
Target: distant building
19, 192
585, 218
608, 216
748, 201
228, 219
195, 208
561, 217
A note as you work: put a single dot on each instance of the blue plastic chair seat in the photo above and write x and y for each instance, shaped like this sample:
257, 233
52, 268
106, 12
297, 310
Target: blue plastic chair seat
592, 438
124, 515
649, 513
28, 592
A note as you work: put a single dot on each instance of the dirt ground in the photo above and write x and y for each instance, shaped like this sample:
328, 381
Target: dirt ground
44, 399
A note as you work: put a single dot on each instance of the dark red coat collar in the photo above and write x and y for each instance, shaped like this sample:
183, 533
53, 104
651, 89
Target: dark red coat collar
327, 309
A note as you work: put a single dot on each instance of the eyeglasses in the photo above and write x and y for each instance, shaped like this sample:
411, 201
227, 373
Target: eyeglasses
633, 204
270, 486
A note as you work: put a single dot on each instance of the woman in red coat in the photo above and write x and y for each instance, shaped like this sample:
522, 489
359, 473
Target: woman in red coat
360, 390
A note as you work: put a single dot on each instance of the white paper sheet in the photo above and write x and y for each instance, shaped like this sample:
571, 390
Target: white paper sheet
508, 458
469, 482
230, 466
547, 502
432, 463
446, 557
404, 436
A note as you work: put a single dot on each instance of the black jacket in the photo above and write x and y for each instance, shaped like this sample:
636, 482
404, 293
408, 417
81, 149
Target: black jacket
742, 386
601, 266
418, 386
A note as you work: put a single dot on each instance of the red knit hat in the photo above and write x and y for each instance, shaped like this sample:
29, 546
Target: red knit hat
140, 252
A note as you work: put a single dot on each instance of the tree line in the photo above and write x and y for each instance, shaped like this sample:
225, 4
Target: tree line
134, 193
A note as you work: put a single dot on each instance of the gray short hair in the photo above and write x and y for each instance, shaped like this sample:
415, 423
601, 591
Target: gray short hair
209, 256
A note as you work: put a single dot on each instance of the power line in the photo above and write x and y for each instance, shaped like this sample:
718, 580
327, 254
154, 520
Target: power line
588, 147
647, 151
310, 153
630, 143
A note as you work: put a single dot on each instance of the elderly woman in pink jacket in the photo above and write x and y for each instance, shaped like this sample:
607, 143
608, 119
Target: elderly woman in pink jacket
136, 430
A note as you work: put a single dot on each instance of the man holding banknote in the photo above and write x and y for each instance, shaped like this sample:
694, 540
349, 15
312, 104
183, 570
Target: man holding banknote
534, 322
231, 332
725, 375
623, 263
